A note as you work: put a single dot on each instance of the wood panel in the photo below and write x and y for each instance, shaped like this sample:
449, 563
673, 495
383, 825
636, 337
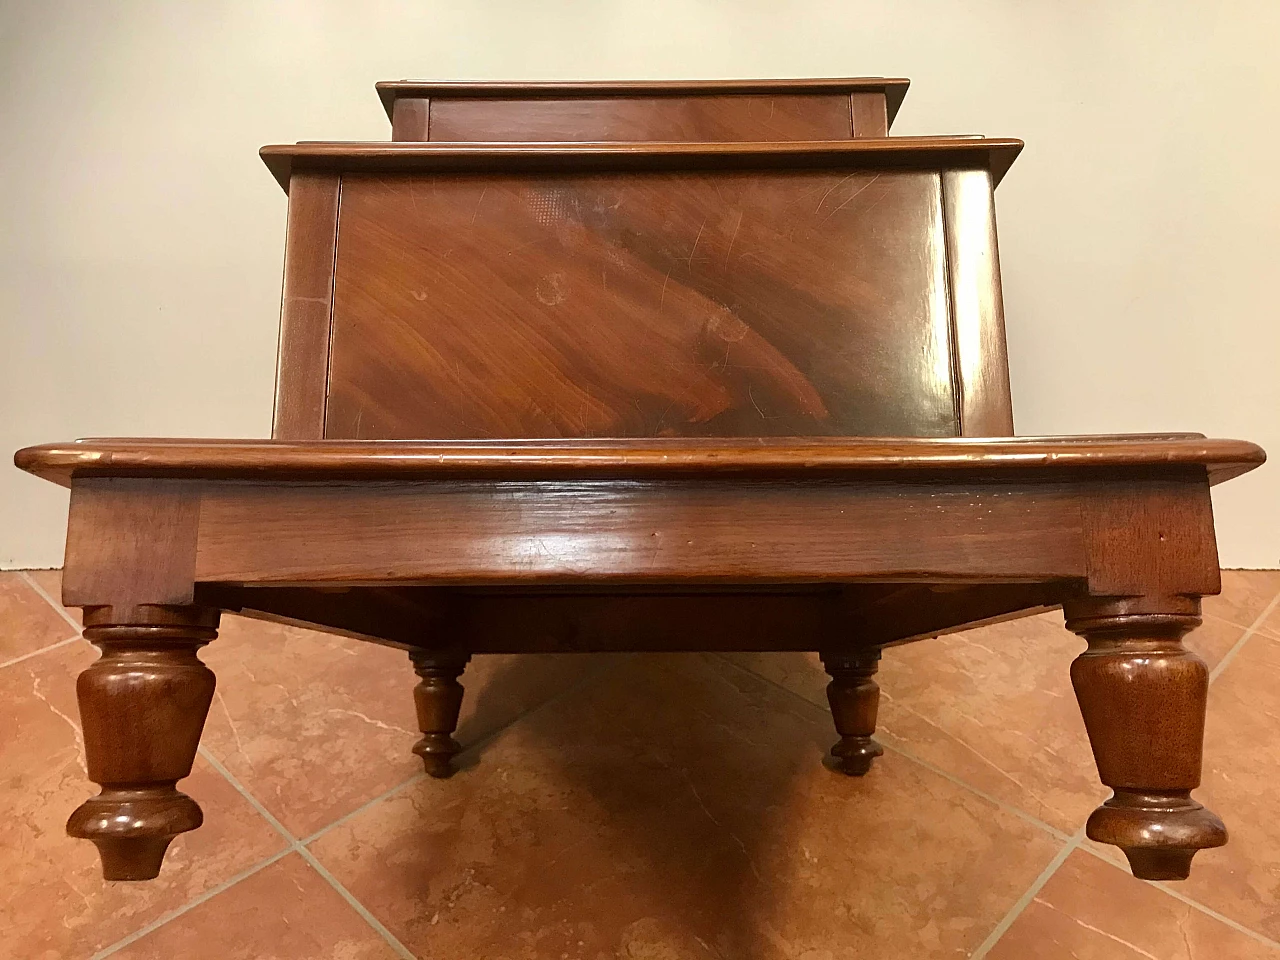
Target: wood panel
752, 117
977, 306
306, 306
411, 119
734, 303
130, 541
869, 115
637, 532
889, 91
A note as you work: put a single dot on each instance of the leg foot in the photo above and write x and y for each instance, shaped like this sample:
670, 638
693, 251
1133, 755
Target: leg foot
438, 698
143, 705
133, 828
1142, 695
855, 699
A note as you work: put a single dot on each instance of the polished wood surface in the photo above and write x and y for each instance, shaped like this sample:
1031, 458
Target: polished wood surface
787, 304
741, 117
142, 709
993, 154
812, 458
979, 356
306, 308
732, 289
438, 700
854, 698
642, 110
635, 396
1143, 697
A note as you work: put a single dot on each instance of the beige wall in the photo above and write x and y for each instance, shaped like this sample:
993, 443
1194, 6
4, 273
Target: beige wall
140, 273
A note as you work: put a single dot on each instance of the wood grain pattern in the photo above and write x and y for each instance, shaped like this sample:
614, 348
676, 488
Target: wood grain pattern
754, 117
130, 542
306, 307
1143, 697
142, 707
669, 304
636, 532
869, 115
977, 308
411, 119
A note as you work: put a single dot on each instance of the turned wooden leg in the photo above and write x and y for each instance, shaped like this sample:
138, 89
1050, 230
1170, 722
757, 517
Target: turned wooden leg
142, 705
854, 698
438, 697
1143, 697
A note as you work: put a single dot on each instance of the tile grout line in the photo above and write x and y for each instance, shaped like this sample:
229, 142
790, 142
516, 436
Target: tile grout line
36, 653
901, 751
470, 749
295, 846
191, 904
1073, 842
1165, 888
298, 846
1244, 638
58, 607
1027, 897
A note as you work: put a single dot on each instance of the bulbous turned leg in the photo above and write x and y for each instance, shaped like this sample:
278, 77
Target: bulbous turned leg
855, 699
438, 697
142, 706
1143, 698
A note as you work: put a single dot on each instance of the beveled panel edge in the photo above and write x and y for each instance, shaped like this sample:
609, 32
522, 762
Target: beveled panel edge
979, 354
894, 88
411, 119
306, 307
995, 154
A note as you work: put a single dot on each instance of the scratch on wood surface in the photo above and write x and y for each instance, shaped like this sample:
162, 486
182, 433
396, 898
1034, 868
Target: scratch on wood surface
835, 186
853, 196
736, 227
689, 261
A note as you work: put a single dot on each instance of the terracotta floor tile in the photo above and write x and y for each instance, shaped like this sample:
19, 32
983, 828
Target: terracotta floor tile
1245, 594
1212, 640
677, 807
992, 706
1241, 773
314, 725
1092, 911
56, 904
1270, 627
51, 583
27, 622
285, 912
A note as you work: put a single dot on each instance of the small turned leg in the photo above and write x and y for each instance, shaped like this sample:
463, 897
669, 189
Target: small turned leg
142, 705
438, 697
1143, 698
854, 698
